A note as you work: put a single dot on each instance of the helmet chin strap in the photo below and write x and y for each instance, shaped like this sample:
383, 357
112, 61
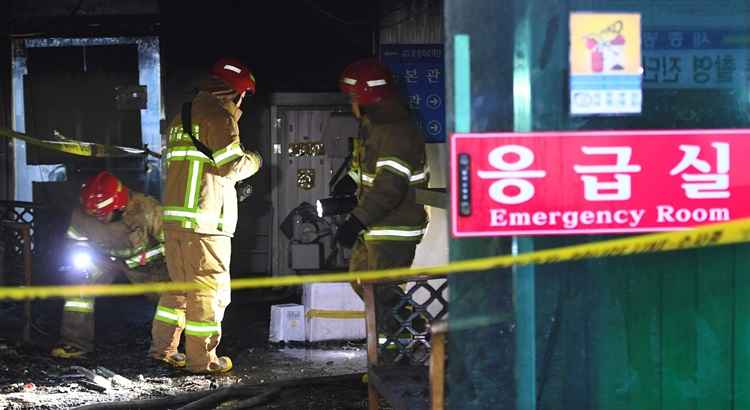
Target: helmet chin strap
239, 98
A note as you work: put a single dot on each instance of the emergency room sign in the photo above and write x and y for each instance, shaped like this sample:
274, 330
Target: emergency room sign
598, 181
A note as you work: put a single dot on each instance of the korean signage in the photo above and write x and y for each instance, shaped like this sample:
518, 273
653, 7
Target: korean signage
419, 71
597, 182
695, 58
605, 63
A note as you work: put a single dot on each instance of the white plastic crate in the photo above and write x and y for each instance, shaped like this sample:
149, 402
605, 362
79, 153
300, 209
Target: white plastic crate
332, 297
287, 323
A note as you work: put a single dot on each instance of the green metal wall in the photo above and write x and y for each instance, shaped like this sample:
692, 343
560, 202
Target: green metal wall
482, 375
665, 331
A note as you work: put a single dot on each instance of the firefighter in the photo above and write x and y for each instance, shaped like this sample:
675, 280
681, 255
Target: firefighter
113, 231
385, 227
204, 161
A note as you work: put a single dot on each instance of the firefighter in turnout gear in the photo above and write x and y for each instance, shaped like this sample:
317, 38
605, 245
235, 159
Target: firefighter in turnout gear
115, 230
385, 227
204, 161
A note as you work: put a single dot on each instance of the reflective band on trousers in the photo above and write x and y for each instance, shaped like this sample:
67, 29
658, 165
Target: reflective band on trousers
169, 316
145, 257
395, 233
202, 328
79, 305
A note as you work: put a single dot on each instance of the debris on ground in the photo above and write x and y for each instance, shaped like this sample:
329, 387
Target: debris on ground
119, 371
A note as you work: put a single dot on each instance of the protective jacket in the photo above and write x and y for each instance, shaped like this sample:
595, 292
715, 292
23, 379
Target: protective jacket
389, 166
200, 195
137, 240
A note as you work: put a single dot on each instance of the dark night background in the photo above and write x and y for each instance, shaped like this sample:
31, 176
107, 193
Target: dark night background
292, 45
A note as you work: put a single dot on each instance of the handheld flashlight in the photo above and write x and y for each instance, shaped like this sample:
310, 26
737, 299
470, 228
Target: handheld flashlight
82, 260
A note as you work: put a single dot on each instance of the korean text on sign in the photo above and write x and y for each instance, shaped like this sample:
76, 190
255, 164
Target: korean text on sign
695, 59
419, 71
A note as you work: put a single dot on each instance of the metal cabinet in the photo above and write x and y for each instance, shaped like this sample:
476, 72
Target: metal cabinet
310, 137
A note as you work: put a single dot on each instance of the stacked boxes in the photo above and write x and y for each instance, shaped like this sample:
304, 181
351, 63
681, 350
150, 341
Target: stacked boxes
287, 323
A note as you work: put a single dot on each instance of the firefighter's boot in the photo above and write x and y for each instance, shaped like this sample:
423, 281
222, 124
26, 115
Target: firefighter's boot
68, 352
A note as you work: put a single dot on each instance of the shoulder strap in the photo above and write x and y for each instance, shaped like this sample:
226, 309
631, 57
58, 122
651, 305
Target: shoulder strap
344, 166
187, 127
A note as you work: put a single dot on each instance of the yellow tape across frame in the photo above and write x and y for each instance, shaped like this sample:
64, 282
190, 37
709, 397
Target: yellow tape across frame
335, 314
709, 235
79, 148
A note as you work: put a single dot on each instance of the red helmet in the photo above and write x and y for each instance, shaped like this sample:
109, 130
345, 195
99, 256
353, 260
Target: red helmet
234, 73
103, 194
368, 81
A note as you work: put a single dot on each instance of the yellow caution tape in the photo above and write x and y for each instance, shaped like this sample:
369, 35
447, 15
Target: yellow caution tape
335, 314
80, 148
708, 235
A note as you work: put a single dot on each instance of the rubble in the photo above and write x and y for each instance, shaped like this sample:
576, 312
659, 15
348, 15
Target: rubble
120, 371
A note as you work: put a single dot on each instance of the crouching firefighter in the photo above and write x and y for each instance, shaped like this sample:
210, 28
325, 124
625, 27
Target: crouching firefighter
114, 231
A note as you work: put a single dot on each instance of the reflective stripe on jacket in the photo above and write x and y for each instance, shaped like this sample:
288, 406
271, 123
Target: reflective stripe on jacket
145, 257
389, 166
200, 194
137, 239
109, 238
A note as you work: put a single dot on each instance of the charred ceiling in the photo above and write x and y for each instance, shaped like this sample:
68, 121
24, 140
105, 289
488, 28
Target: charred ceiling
88, 18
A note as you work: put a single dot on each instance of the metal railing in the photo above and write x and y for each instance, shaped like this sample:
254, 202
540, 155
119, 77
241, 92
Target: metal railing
402, 346
16, 237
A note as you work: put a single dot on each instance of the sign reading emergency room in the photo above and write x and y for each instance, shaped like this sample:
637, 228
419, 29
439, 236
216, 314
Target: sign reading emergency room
597, 182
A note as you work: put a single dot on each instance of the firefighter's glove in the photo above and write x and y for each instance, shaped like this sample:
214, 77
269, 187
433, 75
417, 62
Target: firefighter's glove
345, 186
349, 231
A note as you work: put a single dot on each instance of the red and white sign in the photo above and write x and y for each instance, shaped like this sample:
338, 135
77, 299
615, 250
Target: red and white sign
597, 182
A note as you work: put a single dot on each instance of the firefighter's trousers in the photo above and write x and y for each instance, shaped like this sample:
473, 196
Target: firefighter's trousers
376, 255
202, 259
77, 327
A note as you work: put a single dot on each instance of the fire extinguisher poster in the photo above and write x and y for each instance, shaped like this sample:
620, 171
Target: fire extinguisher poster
605, 63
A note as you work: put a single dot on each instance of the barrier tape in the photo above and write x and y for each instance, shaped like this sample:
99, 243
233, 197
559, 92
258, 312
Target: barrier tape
335, 314
708, 235
80, 148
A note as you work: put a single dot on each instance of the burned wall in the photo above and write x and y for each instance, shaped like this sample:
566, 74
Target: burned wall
411, 21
